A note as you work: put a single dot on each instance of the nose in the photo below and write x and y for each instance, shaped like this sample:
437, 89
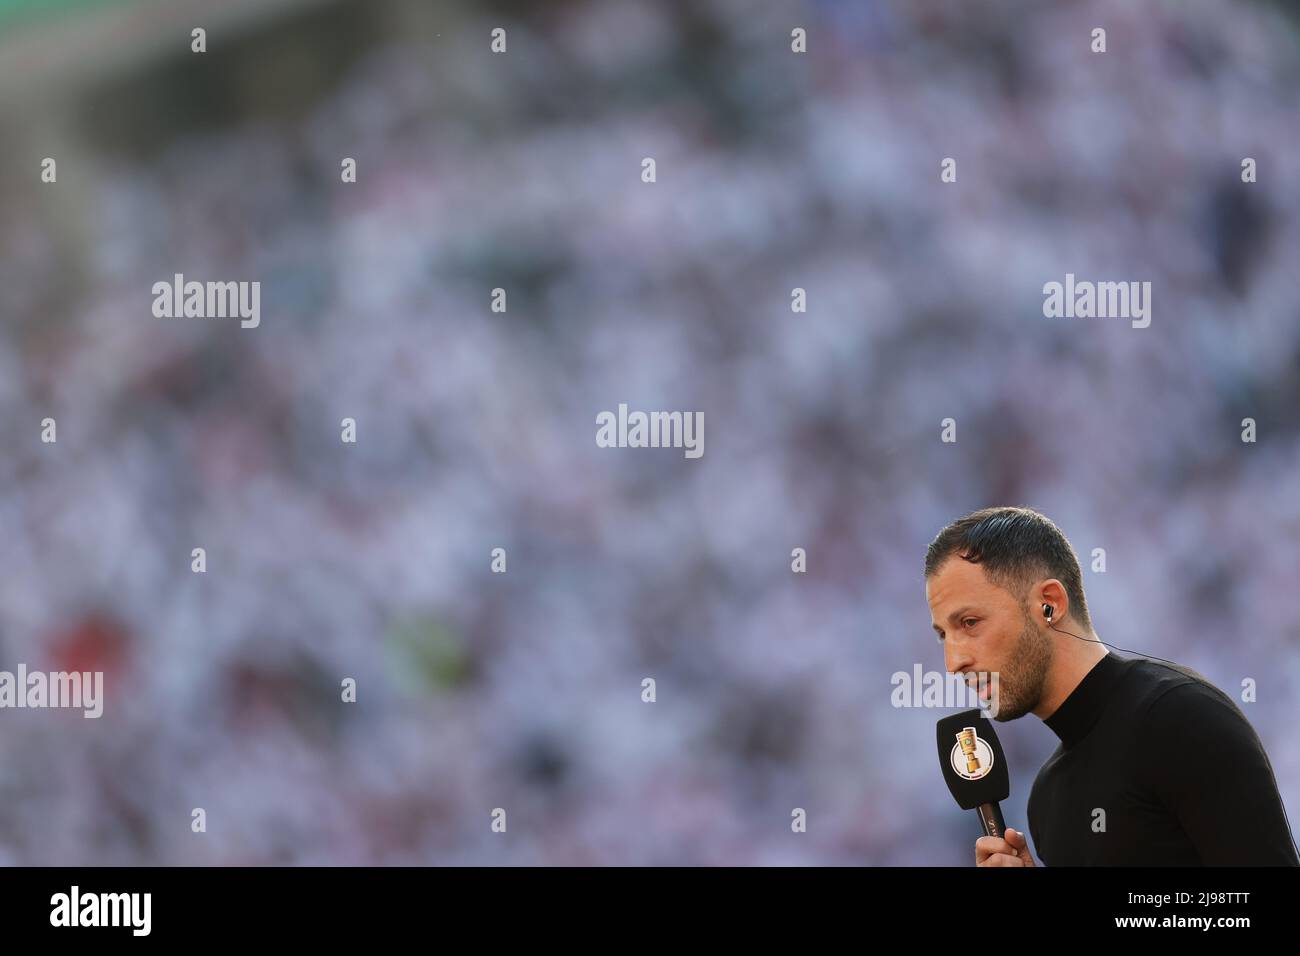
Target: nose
956, 660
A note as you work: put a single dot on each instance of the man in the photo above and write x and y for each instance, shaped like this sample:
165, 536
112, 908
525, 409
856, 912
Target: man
1156, 766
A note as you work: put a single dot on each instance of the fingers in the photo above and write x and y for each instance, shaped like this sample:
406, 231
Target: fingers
995, 851
987, 846
1002, 859
1018, 840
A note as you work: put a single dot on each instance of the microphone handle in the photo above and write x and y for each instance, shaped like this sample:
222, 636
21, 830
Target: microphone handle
991, 819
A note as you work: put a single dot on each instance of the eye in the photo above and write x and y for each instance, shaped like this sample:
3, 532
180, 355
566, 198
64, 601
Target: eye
970, 622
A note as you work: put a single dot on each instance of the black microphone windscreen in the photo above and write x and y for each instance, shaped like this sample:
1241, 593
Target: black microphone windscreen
972, 761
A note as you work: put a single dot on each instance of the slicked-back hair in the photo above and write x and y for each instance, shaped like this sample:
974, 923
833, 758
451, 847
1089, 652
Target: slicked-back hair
1016, 546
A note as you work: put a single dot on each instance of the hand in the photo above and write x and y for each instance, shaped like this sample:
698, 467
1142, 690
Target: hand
1011, 851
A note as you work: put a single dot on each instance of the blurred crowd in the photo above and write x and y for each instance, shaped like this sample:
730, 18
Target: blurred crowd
476, 429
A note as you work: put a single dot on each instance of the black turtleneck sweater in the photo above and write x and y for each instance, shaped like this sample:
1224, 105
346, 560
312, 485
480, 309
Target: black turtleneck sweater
1177, 769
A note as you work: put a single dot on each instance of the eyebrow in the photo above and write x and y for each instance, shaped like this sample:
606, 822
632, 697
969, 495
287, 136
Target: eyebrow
965, 609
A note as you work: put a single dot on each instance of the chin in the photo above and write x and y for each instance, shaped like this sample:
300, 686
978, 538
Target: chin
1010, 710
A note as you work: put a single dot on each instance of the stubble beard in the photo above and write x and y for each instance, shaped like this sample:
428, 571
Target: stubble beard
1020, 685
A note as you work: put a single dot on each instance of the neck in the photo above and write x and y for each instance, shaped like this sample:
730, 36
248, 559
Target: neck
1071, 661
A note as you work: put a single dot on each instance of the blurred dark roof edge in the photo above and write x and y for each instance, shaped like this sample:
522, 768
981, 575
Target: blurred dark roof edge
48, 57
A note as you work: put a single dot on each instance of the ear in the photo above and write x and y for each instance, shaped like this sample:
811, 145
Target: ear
1052, 592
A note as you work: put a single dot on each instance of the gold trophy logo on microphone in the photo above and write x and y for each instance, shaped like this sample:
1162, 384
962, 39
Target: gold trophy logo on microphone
971, 758
966, 740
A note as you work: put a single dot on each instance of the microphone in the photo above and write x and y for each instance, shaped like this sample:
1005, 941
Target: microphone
974, 766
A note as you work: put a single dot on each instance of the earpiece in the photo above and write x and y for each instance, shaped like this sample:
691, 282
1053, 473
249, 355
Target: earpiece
1048, 611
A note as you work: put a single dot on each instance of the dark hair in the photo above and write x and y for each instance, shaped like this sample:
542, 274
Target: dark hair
1017, 547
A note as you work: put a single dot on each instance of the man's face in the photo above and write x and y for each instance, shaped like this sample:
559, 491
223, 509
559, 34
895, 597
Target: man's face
984, 628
